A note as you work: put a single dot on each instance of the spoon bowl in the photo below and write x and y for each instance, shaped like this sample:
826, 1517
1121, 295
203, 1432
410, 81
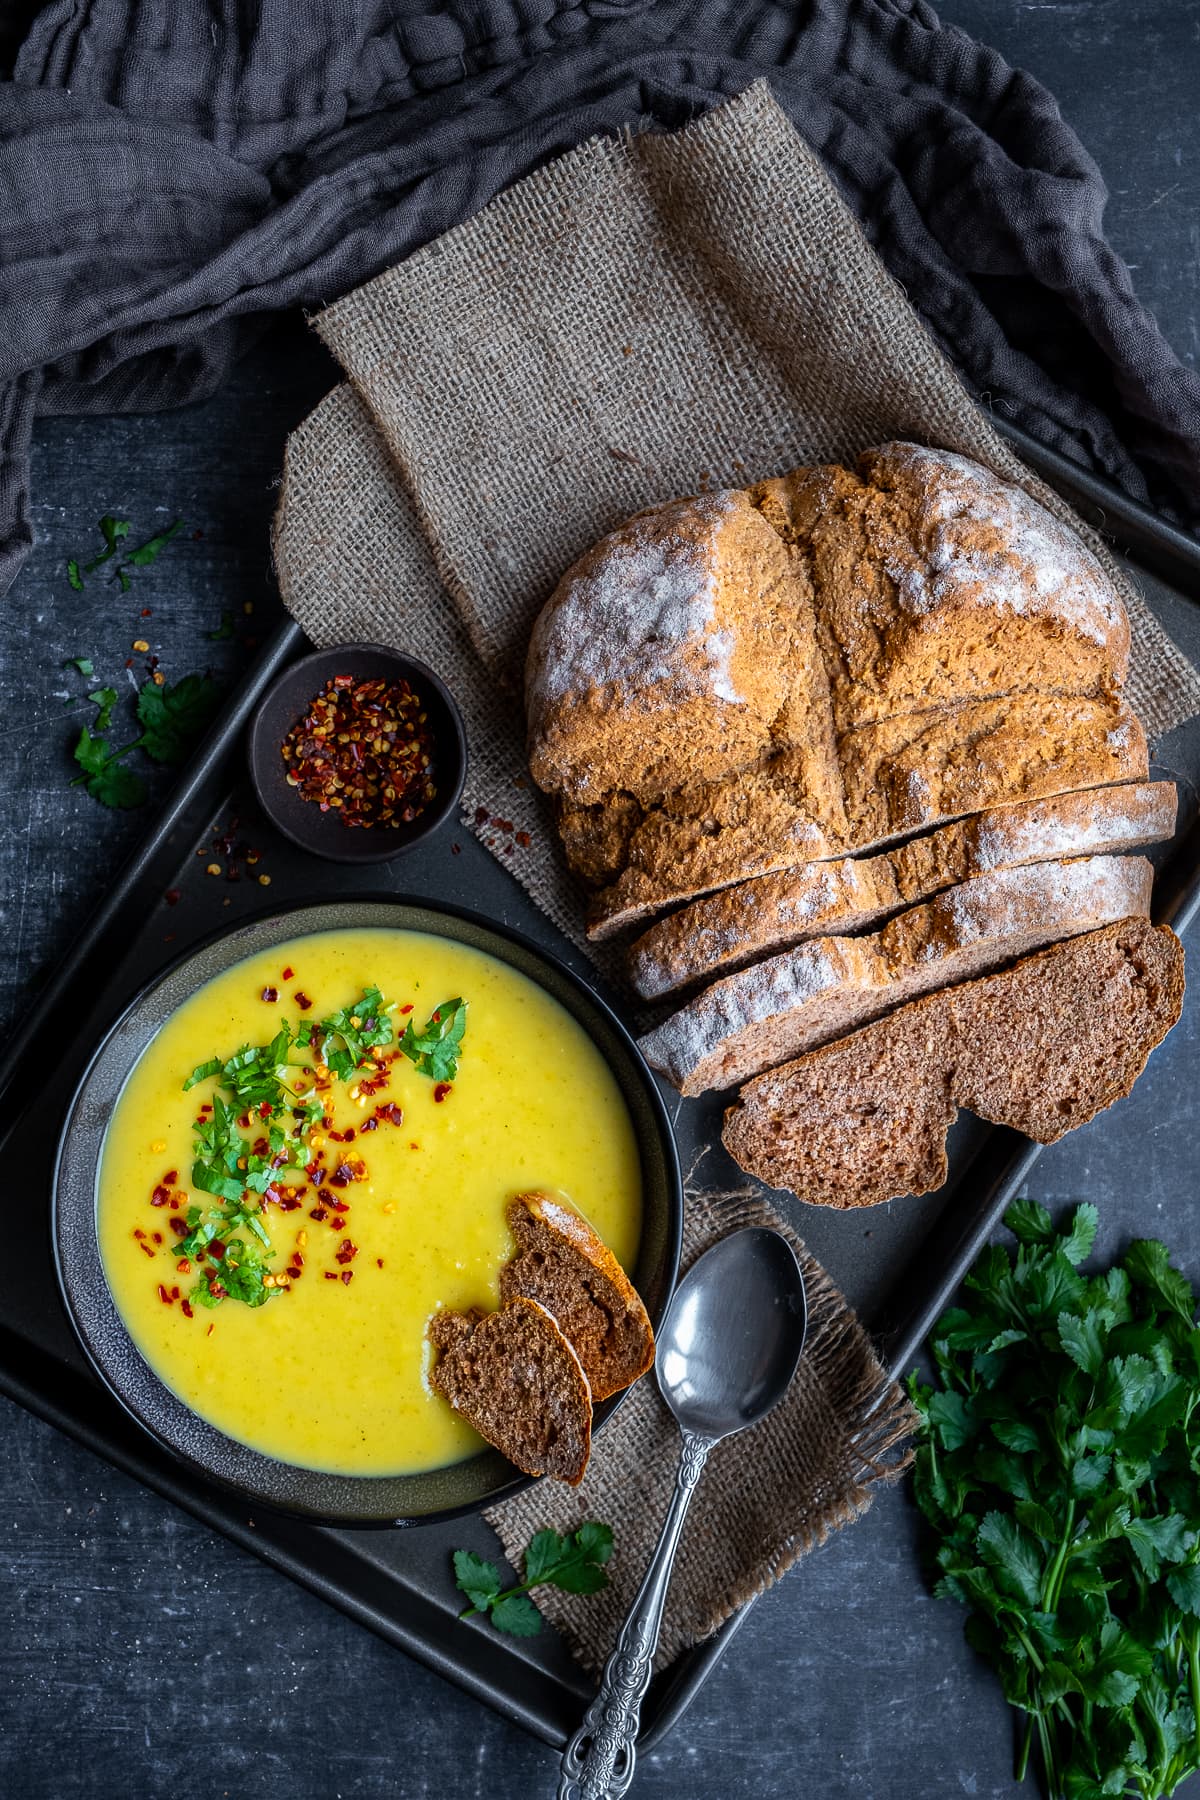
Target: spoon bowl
733, 1334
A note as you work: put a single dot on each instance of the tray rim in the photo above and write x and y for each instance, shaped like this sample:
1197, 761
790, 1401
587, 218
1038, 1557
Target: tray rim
1149, 540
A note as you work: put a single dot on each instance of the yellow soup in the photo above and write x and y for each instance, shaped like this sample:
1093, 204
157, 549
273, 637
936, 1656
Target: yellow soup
382, 1227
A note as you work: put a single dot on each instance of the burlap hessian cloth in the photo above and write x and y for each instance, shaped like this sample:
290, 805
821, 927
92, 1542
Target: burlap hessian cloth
645, 317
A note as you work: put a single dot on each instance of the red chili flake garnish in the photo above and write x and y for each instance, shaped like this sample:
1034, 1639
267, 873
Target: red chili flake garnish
370, 1124
414, 1145
213, 1326
524, 839
171, 1177
163, 1295
363, 749
206, 1106
270, 995
174, 1293
340, 1206
342, 1176
178, 1226
185, 1307
331, 1274
347, 1276
302, 1000
244, 1121
160, 1196
146, 613
318, 1213
146, 1248
157, 1236
440, 1091
288, 1203
379, 1262
216, 1250
297, 1259
317, 1175
481, 813
172, 896
456, 849
183, 1266
138, 1232
288, 972
260, 1146
503, 825
264, 1109
405, 1009
345, 1252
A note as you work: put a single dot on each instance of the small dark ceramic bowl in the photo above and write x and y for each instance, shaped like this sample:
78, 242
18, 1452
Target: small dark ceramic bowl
288, 699
313, 1494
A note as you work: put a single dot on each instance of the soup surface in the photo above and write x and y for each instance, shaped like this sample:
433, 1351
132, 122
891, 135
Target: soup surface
399, 1211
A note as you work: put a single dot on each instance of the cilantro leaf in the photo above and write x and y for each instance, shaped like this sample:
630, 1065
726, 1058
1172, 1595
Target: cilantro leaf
73, 575
113, 531
82, 663
573, 1562
105, 699
1057, 1467
224, 629
437, 1047
172, 718
105, 778
147, 552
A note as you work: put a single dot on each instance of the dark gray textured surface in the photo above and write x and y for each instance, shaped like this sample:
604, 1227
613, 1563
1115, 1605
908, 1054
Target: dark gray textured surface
142, 1656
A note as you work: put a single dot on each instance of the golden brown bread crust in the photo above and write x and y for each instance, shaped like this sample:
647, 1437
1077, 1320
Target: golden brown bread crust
937, 583
683, 639
567, 1268
517, 1380
1043, 1047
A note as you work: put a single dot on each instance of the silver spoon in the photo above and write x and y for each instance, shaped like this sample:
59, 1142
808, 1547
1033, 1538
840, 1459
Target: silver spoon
726, 1355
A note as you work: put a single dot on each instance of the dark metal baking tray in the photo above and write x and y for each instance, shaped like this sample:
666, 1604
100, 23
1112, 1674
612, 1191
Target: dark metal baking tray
898, 1264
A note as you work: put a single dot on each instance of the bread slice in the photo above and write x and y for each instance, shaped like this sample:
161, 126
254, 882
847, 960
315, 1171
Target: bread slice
562, 1264
739, 924
936, 583
788, 1004
1043, 1047
515, 1378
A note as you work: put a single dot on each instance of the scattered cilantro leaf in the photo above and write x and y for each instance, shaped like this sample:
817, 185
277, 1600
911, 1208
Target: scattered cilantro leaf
104, 776
82, 663
437, 1047
105, 699
172, 718
147, 552
573, 1562
1057, 1465
73, 575
224, 629
113, 531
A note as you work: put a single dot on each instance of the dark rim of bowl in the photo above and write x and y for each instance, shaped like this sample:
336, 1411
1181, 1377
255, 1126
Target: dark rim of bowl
79, 1287
367, 845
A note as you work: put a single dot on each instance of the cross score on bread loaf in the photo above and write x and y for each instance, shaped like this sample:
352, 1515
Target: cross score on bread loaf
734, 697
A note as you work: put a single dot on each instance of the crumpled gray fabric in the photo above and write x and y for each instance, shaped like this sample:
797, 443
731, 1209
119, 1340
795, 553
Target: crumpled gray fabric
172, 172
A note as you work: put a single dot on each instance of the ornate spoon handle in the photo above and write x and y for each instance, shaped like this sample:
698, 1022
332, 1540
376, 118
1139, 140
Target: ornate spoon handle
598, 1762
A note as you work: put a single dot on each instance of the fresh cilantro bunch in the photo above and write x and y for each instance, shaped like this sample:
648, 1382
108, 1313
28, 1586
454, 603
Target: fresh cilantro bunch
1058, 1465
573, 1562
437, 1047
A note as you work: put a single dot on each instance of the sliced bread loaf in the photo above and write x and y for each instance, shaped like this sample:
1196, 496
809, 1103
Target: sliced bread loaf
562, 1264
775, 1010
516, 1379
1043, 1047
739, 924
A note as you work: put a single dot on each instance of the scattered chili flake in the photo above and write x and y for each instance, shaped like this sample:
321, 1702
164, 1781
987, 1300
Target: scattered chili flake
163, 1295
270, 995
456, 849
172, 896
318, 1213
524, 839
171, 1177
331, 1274
370, 1124
160, 1196
405, 1009
379, 1262
288, 972
185, 1307
157, 1236
347, 1276
302, 1000
147, 1248
138, 1232
178, 1226
345, 1252
213, 869
481, 813
216, 1250
140, 645
264, 881
364, 750
440, 1091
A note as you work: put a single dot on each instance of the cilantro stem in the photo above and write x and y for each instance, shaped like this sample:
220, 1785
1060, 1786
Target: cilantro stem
109, 760
1058, 1567
524, 1587
1194, 1681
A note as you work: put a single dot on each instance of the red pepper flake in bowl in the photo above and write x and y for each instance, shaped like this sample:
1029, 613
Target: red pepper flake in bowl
364, 750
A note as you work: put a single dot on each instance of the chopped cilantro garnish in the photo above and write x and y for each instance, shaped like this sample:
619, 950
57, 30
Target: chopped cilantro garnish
115, 532
73, 575
105, 699
82, 663
146, 553
112, 531
437, 1047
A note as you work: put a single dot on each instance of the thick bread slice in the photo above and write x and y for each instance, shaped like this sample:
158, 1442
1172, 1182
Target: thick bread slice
725, 930
779, 1008
515, 1378
1043, 1047
563, 1265
936, 582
